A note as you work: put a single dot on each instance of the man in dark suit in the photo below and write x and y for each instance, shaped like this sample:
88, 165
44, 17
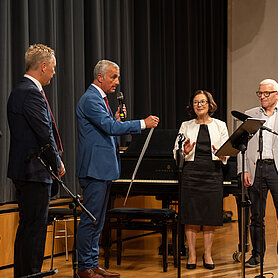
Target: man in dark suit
32, 127
98, 161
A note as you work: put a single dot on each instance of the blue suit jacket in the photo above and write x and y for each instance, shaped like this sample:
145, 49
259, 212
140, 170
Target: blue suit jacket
97, 156
31, 128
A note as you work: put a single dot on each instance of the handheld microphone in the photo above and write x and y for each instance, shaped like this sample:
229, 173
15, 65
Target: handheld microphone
181, 139
37, 154
120, 98
179, 155
240, 116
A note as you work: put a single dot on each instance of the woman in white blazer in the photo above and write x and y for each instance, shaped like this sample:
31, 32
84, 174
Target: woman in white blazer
202, 189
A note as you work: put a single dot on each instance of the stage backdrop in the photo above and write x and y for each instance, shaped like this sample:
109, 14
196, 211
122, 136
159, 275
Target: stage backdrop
166, 50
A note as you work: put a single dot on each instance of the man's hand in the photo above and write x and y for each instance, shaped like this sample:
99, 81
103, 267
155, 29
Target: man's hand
63, 170
247, 179
187, 147
117, 114
151, 122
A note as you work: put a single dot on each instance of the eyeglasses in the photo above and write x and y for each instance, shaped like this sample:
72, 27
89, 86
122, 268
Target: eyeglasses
202, 102
265, 94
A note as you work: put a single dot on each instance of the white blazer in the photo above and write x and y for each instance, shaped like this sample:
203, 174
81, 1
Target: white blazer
218, 133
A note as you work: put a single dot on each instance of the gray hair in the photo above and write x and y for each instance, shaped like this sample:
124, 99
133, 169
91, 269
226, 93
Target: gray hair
270, 81
101, 67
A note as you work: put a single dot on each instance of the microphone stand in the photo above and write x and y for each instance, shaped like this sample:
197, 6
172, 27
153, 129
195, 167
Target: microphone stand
76, 202
42, 274
180, 161
261, 202
245, 203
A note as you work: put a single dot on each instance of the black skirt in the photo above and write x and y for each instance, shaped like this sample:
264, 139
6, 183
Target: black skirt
202, 186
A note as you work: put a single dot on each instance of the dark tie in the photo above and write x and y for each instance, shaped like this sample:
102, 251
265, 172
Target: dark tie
55, 130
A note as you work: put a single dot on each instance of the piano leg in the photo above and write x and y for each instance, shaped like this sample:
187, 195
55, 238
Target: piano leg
106, 240
119, 246
174, 245
165, 246
106, 243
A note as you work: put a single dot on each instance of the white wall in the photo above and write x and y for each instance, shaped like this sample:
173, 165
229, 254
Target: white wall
252, 51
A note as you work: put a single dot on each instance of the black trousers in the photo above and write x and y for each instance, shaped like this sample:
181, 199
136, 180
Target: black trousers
33, 202
269, 183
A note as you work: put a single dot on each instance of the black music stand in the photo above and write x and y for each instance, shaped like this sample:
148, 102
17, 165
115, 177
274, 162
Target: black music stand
238, 142
76, 203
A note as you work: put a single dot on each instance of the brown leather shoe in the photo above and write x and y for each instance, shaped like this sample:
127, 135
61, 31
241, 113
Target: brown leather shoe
88, 273
106, 274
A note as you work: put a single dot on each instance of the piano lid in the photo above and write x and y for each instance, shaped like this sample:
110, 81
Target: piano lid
161, 143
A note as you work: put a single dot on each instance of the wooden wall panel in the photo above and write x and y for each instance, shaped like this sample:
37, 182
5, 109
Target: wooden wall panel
8, 226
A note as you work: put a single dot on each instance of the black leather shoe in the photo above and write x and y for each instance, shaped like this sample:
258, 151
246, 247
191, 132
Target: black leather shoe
207, 266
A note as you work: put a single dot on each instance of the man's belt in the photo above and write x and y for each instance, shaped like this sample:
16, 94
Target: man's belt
268, 161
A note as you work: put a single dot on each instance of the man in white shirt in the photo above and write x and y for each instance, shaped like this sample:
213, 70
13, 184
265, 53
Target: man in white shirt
268, 96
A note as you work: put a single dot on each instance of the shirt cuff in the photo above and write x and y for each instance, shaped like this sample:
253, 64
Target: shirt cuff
143, 125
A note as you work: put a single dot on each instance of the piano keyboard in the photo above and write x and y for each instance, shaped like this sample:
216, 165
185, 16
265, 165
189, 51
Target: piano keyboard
146, 181
159, 181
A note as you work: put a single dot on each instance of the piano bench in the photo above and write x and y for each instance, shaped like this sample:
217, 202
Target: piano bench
157, 220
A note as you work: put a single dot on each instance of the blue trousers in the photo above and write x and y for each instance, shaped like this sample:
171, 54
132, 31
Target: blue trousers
269, 183
95, 199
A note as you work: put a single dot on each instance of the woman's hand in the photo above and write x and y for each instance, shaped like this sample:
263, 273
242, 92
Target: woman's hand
187, 147
222, 158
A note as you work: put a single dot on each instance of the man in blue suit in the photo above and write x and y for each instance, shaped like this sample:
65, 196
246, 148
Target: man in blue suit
32, 127
98, 161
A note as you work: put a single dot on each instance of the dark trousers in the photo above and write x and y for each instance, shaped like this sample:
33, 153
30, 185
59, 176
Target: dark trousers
33, 202
95, 199
269, 183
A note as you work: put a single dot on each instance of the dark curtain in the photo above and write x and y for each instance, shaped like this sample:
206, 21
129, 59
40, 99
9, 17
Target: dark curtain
166, 50
180, 47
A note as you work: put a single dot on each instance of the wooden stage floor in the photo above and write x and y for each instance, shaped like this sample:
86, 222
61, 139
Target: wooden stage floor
140, 257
